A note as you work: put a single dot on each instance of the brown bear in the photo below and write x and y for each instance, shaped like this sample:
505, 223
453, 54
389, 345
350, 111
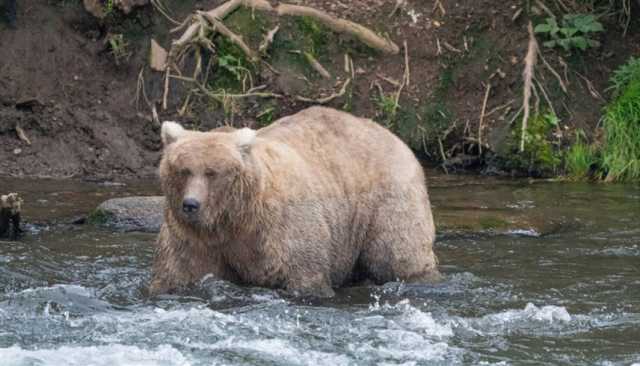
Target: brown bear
315, 201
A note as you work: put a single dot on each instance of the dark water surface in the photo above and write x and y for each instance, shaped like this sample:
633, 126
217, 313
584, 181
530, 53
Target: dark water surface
73, 295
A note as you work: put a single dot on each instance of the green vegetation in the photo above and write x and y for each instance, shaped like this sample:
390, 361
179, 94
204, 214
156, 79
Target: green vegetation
387, 107
267, 115
99, 217
576, 32
618, 157
624, 75
119, 48
581, 158
621, 150
108, 7
542, 155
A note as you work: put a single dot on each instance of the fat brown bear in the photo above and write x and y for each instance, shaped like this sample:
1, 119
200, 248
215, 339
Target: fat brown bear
315, 201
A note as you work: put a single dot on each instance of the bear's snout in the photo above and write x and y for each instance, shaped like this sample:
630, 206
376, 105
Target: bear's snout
190, 205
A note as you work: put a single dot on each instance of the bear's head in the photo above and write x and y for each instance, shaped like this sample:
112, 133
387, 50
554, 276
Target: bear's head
205, 175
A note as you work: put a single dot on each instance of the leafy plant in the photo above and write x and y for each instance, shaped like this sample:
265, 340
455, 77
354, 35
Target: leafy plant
387, 107
576, 31
233, 65
119, 48
624, 75
108, 7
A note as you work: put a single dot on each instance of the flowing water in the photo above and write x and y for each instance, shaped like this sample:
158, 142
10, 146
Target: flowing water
74, 295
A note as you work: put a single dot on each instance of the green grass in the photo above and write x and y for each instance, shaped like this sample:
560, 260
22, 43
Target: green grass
621, 151
581, 159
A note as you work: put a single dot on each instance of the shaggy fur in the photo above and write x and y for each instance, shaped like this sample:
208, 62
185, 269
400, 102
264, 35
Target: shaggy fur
315, 201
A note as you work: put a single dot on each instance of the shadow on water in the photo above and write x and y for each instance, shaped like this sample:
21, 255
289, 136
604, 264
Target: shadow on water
74, 294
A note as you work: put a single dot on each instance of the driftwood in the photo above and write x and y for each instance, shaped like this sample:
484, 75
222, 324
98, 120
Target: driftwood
10, 210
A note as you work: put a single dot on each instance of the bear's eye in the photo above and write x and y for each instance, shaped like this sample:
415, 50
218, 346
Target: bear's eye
185, 172
210, 173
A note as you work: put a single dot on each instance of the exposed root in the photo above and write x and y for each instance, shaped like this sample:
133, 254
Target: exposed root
316, 65
482, 115
236, 39
399, 5
530, 63
360, 32
268, 40
364, 34
160, 7
198, 35
546, 97
405, 79
553, 71
592, 90
329, 98
22, 136
499, 108
407, 70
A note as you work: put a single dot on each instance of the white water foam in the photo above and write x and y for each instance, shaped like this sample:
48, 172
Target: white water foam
108, 355
505, 322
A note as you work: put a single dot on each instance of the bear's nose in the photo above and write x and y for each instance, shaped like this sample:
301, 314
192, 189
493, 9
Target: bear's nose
190, 205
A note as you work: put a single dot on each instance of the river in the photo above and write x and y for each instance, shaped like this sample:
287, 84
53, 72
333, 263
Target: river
74, 294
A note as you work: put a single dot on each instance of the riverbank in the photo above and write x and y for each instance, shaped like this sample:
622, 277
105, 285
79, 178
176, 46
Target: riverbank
77, 93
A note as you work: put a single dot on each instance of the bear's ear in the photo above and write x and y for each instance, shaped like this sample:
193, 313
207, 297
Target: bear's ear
244, 138
171, 132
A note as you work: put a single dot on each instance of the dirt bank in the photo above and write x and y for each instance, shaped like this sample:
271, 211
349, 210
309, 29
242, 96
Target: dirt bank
82, 114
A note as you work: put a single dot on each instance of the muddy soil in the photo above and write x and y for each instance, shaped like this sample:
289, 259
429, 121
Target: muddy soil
83, 115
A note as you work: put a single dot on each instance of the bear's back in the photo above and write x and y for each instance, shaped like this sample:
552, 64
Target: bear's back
347, 147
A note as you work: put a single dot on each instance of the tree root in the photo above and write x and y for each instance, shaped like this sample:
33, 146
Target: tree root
197, 35
530, 63
329, 98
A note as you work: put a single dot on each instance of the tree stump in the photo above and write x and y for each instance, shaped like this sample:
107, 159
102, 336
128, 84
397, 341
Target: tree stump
10, 209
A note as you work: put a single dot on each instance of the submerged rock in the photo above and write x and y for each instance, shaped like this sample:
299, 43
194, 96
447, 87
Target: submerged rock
130, 213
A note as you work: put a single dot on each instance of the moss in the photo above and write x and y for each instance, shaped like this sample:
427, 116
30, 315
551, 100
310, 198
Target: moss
315, 36
251, 25
99, 217
301, 34
493, 223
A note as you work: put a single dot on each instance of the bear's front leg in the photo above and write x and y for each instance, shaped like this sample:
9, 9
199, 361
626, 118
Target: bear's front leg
180, 261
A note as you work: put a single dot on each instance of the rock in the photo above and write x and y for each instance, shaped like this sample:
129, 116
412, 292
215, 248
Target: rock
158, 56
475, 221
130, 214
